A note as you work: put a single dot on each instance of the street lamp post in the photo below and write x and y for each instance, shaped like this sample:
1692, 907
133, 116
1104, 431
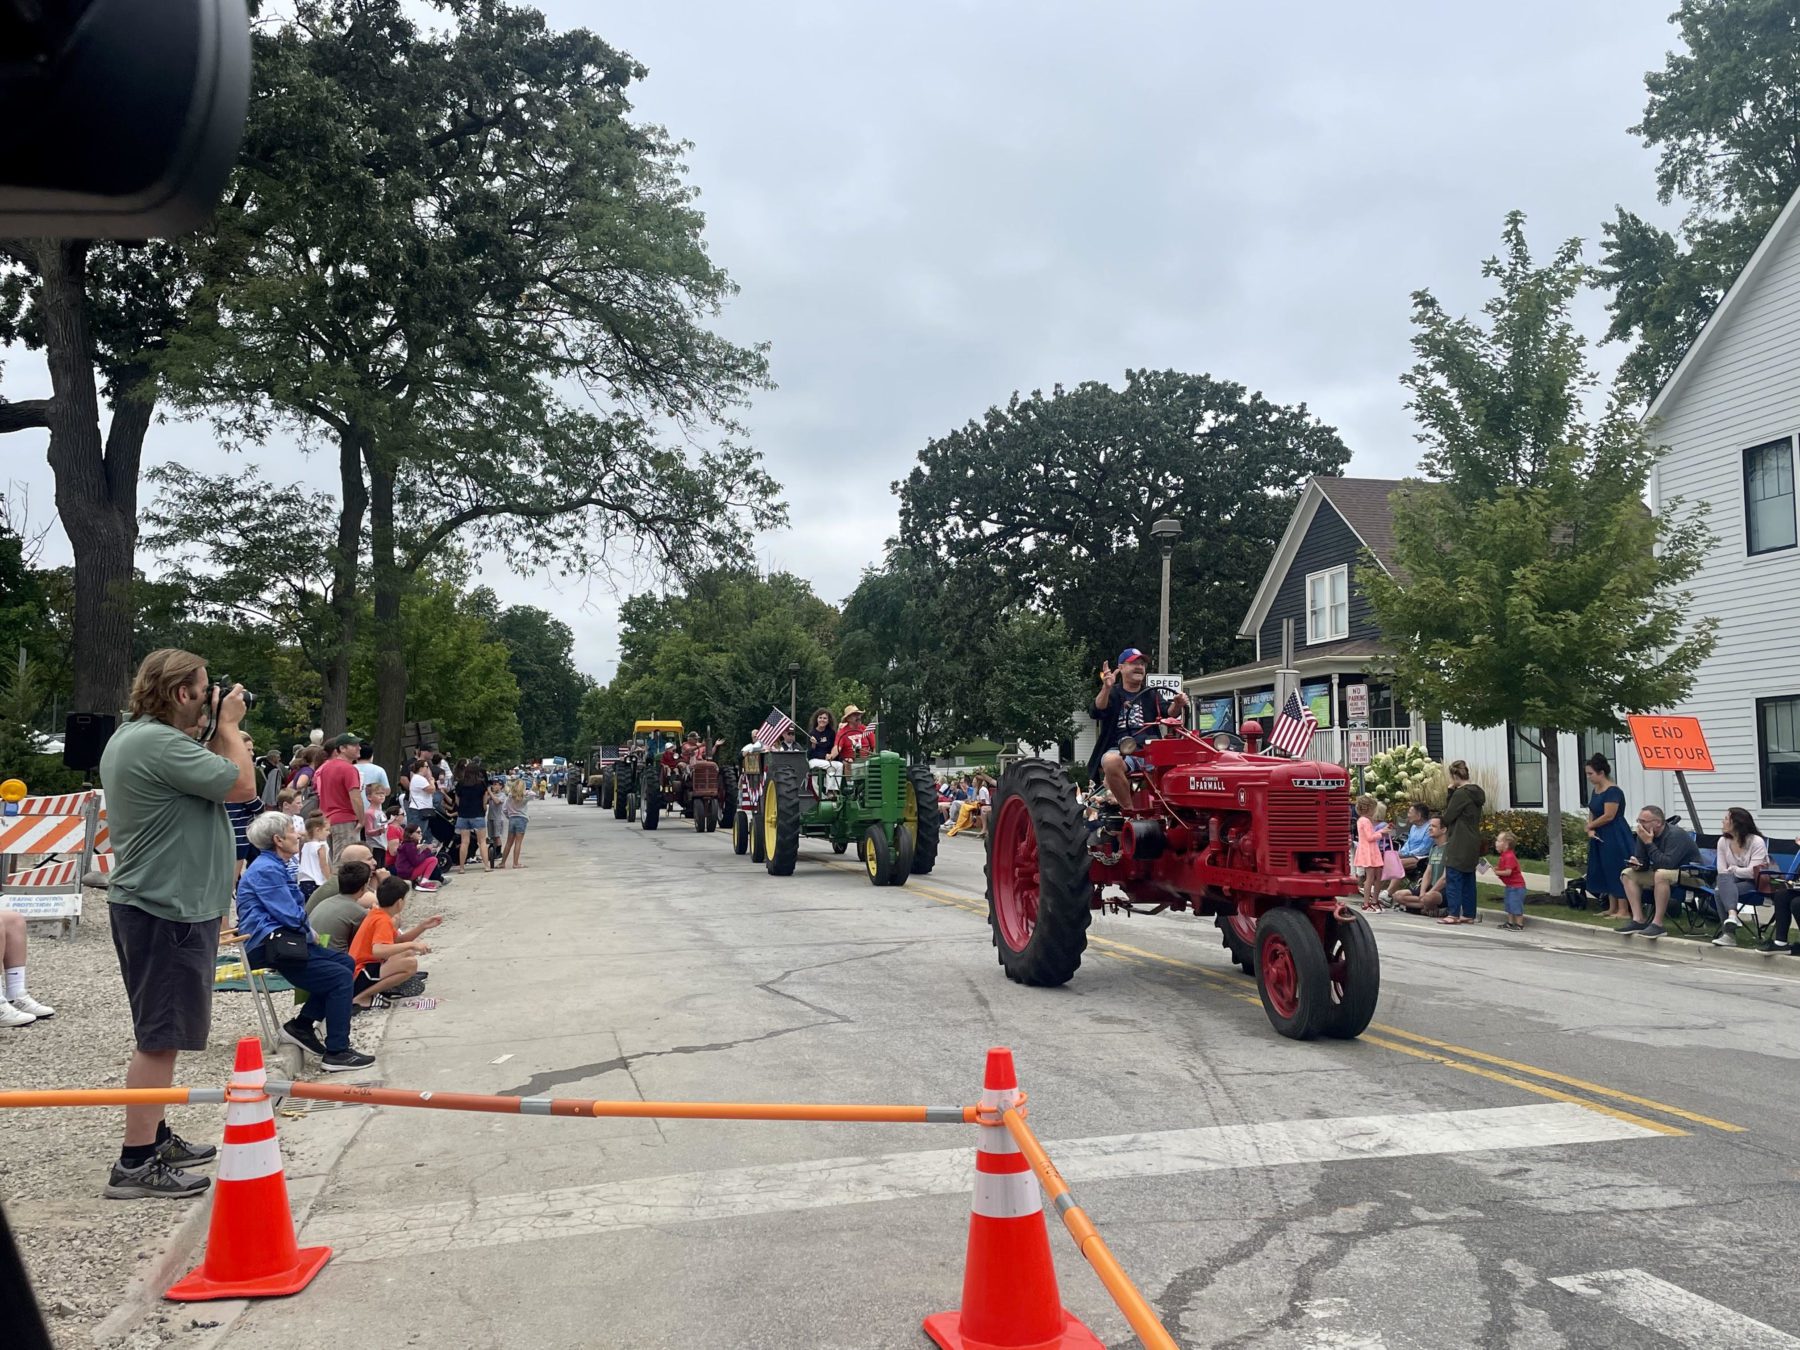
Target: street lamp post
1165, 532
793, 692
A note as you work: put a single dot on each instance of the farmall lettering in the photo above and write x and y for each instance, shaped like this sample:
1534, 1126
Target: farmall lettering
1205, 783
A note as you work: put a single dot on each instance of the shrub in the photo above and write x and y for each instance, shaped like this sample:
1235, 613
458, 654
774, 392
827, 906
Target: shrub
1531, 830
1406, 774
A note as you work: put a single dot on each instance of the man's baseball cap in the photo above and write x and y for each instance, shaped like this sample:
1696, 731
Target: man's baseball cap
1128, 655
348, 738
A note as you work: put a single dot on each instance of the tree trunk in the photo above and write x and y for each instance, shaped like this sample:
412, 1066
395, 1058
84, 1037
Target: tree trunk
1552, 751
96, 482
390, 641
334, 711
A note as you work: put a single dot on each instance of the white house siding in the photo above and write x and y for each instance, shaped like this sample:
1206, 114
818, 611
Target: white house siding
1742, 390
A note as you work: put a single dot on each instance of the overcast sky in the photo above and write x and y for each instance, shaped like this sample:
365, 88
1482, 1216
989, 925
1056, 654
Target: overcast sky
929, 206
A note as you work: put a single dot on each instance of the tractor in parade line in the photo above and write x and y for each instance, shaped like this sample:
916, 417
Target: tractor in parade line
884, 807
1259, 843
637, 776
594, 781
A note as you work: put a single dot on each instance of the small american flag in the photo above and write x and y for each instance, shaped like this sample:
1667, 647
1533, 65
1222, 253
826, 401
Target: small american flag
769, 733
1294, 728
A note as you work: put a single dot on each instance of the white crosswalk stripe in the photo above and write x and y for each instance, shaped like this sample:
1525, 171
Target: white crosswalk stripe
1675, 1313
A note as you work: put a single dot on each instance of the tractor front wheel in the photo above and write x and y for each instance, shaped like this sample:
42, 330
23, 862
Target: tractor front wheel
919, 809
905, 856
780, 822
1291, 974
740, 832
1037, 875
653, 804
839, 845
1354, 967
606, 792
878, 858
700, 814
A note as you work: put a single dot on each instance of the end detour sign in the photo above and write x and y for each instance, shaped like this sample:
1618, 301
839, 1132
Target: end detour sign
1670, 743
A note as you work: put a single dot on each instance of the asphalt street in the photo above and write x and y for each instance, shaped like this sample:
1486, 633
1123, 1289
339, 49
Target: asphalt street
1540, 1143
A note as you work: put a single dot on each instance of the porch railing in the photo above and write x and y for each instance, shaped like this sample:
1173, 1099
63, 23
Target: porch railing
1331, 745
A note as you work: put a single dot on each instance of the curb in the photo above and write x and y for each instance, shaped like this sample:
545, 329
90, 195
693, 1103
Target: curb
1669, 948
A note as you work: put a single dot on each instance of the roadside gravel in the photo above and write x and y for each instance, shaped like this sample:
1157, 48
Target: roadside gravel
83, 1251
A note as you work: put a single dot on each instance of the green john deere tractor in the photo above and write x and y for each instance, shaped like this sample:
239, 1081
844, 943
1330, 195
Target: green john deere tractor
883, 806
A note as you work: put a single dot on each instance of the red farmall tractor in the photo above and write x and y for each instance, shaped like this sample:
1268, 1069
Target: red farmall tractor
1260, 843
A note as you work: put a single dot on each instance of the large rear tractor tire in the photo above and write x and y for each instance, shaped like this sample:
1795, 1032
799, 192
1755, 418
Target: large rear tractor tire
606, 792
878, 858
919, 811
1038, 890
1353, 966
618, 797
740, 833
728, 788
779, 820
1241, 945
1291, 974
702, 810
653, 802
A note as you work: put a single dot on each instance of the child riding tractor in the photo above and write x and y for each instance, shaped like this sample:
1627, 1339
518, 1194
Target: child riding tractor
878, 802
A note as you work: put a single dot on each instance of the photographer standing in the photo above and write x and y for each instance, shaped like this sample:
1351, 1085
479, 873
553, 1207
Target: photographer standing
171, 885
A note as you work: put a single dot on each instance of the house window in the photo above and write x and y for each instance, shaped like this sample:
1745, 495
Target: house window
1778, 750
1769, 497
1525, 766
1328, 605
1591, 743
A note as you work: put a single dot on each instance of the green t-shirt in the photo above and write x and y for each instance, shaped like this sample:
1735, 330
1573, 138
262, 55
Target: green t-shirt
336, 921
1434, 866
172, 845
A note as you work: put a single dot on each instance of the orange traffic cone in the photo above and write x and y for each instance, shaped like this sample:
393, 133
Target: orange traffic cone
250, 1247
1009, 1297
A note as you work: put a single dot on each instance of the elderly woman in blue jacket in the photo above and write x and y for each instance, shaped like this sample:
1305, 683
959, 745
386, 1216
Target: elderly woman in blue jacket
271, 916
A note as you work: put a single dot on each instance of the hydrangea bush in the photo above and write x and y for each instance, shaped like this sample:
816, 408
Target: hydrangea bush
1406, 774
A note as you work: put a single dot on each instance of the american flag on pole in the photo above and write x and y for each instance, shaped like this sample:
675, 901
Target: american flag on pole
1294, 728
768, 735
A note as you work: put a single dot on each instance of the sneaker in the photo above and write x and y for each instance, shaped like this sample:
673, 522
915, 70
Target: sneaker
1731, 921
176, 1152
14, 1017
303, 1034
1768, 947
426, 885
25, 1003
1631, 926
344, 1061
1725, 939
155, 1180
1653, 931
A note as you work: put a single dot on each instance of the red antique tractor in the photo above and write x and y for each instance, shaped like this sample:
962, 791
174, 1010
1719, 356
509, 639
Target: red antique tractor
1260, 843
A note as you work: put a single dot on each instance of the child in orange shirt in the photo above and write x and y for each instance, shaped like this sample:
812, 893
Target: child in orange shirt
385, 958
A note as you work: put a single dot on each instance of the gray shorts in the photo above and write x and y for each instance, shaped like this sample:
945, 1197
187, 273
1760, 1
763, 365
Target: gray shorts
341, 837
168, 968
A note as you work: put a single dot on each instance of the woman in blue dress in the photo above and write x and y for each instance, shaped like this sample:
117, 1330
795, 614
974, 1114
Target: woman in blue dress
1609, 839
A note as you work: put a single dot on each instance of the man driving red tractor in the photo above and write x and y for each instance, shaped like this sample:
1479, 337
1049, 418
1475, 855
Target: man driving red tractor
1126, 706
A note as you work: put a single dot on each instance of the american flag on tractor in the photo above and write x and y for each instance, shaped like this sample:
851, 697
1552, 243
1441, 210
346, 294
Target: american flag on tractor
769, 734
1294, 729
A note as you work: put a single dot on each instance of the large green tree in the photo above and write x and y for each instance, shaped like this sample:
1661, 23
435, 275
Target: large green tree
1046, 503
911, 636
540, 651
435, 236
1724, 113
100, 313
1533, 586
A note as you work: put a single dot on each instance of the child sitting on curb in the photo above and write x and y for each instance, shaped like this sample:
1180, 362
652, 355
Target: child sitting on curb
386, 958
414, 862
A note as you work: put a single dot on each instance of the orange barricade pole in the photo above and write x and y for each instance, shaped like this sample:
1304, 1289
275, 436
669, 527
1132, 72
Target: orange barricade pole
169, 1096
1137, 1310
357, 1094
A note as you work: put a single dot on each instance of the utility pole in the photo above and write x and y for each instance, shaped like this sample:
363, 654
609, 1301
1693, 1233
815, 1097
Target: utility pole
793, 692
1165, 532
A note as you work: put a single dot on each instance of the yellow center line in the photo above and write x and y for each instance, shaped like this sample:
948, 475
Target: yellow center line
1537, 1089
1125, 952
1565, 1079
